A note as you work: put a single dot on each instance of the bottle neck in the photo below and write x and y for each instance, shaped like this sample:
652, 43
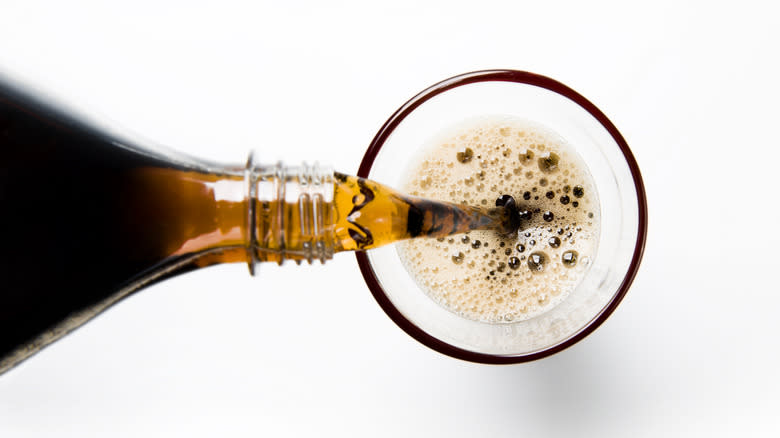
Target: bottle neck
289, 213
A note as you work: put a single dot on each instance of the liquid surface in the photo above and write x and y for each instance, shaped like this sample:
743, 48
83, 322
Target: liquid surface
487, 276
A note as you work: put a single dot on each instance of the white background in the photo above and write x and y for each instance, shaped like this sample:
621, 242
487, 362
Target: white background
691, 351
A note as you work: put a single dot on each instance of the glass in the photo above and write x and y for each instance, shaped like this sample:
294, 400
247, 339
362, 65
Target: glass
621, 195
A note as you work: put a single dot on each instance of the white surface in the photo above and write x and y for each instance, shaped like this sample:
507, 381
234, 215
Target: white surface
692, 351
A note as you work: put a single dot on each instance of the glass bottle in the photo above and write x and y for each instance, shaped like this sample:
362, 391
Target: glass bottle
89, 218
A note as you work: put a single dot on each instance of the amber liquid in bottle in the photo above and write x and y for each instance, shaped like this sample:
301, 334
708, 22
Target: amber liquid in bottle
88, 218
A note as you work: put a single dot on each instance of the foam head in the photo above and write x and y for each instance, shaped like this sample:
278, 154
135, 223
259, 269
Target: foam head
549, 210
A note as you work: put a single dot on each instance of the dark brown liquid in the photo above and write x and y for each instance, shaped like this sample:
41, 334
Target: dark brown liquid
84, 217
369, 215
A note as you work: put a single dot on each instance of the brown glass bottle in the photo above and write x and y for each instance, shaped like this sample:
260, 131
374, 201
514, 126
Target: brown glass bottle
88, 218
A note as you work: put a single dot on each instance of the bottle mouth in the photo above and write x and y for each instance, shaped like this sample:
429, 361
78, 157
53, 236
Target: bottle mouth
622, 239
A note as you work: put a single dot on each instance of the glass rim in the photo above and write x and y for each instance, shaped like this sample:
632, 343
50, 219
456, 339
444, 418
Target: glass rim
527, 78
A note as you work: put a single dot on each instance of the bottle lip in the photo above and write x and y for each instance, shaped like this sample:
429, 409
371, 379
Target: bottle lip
554, 86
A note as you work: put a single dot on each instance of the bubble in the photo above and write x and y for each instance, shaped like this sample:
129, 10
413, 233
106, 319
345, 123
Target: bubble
520, 247
543, 182
554, 242
565, 199
578, 191
465, 156
569, 258
527, 196
476, 244
465, 239
508, 251
575, 204
548, 216
525, 214
550, 194
458, 258
514, 263
358, 199
536, 261
548, 163
526, 156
